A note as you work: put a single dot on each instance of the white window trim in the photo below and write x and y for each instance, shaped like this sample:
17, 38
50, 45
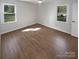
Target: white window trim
2, 14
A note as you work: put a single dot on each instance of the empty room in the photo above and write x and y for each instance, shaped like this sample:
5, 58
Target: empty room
38, 29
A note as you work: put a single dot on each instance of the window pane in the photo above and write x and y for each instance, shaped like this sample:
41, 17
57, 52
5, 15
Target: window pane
9, 17
9, 9
62, 13
62, 9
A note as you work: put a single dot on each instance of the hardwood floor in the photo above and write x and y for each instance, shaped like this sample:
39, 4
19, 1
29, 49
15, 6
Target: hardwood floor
38, 42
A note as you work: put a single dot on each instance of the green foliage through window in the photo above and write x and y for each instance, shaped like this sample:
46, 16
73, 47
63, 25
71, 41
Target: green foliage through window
8, 9
9, 17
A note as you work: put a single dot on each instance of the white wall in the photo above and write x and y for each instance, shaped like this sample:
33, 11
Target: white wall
48, 15
75, 18
26, 15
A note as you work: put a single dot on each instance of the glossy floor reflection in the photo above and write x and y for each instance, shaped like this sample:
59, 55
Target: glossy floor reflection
31, 29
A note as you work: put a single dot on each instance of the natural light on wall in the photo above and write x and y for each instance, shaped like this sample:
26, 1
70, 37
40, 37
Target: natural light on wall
31, 29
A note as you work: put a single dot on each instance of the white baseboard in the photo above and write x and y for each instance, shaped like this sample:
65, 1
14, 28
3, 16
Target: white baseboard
60, 30
56, 28
16, 28
74, 35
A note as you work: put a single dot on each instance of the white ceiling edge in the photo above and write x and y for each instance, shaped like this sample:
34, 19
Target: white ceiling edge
33, 1
44, 1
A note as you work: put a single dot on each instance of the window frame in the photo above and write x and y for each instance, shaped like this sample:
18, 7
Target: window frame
67, 18
3, 13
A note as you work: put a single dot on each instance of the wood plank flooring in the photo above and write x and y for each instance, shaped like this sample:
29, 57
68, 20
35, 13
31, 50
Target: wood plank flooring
38, 42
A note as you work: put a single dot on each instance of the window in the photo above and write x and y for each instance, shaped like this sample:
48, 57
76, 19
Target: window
9, 13
61, 13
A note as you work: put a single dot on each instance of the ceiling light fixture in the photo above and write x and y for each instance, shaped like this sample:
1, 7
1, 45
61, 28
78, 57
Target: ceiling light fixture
40, 1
